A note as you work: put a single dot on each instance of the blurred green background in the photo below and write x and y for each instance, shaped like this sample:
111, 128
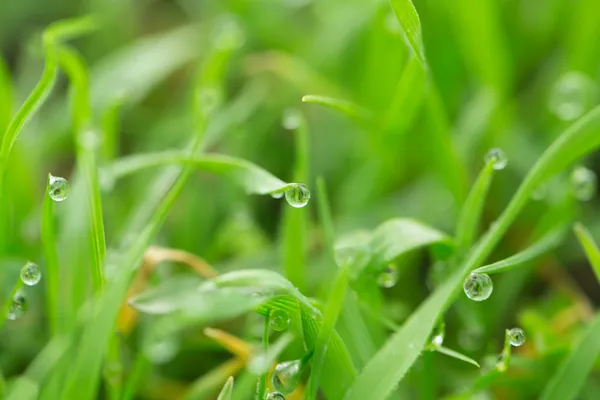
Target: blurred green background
504, 73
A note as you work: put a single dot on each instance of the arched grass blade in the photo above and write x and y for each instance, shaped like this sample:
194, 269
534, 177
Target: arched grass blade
227, 390
570, 377
589, 245
351, 110
392, 361
457, 355
470, 213
550, 241
411, 25
331, 314
252, 178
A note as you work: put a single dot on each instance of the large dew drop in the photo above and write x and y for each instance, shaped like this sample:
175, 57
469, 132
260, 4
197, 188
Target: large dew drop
572, 95
583, 182
497, 157
58, 188
298, 195
516, 336
275, 396
478, 287
388, 277
286, 376
31, 274
279, 320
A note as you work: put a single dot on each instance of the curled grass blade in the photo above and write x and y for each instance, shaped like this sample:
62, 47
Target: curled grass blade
227, 390
470, 213
252, 178
589, 245
331, 314
392, 361
550, 241
569, 378
52, 278
351, 110
457, 355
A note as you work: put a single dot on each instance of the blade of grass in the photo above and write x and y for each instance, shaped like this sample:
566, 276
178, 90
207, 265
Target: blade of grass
227, 390
393, 360
470, 213
411, 25
548, 242
261, 390
351, 110
332, 311
6, 95
52, 277
209, 383
294, 222
589, 245
569, 378
457, 355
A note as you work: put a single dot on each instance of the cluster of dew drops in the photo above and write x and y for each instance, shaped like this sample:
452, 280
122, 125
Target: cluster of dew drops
31, 274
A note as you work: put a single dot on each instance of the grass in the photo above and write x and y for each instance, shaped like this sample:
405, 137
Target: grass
183, 127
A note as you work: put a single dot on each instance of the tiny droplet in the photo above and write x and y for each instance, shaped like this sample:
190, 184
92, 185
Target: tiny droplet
516, 336
584, 184
478, 287
298, 195
498, 157
17, 307
58, 188
291, 119
279, 320
437, 336
275, 396
572, 95
388, 277
31, 274
286, 376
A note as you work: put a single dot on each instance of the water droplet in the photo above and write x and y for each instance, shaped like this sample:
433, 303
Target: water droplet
583, 182
17, 307
298, 195
498, 157
58, 188
573, 94
286, 376
516, 336
31, 274
279, 320
291, 119
437, 336
161, 351
388, 277
478, 287
275, 396
277, 195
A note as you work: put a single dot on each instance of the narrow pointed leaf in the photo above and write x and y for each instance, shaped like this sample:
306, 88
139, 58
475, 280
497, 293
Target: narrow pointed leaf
227, 390
411, 25
589, 245
457, 355
52, 278
347, 108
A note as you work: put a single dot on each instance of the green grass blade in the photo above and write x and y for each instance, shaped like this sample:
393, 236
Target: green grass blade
261, 387
411, 25
351, 110
210, 382
325, 216
570, 377
227, 390
550, 241
330, 317
6, 96
252, 178
470, 213
392, 361
457, 355
52, 277
294, 223
589, 245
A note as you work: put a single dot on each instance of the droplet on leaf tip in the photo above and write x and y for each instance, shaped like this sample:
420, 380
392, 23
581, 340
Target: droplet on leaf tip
478, 287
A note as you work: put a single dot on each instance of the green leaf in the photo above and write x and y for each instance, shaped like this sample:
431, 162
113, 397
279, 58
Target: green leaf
252, 178
399, 236
332, 312
569, 378
392, 361
589, 245
550, 241
355, 112
52, 277
227, 390
6, 95
411, 25
456, 354
470, 213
